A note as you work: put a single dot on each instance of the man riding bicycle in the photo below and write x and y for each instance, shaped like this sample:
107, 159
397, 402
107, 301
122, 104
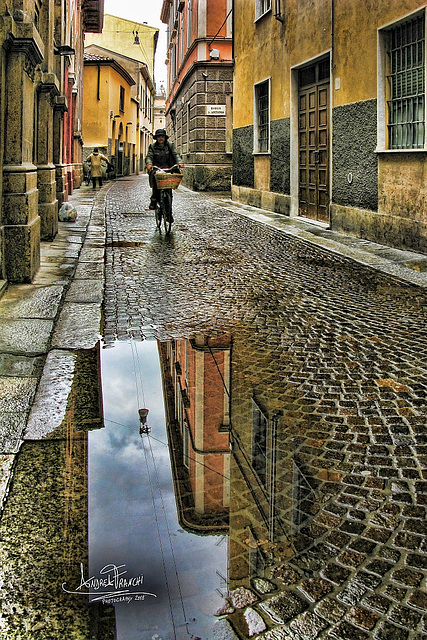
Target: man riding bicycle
163, 154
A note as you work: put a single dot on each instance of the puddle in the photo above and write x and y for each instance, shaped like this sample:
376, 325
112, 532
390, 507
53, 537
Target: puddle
252, 489
126, 243
175, 559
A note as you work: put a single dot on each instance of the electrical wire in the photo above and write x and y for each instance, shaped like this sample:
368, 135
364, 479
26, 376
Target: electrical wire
167, 445
138, 372
140, 393
160, 540
169, 534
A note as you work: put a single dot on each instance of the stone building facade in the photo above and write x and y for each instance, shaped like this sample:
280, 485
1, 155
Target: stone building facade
329, 115
40, 57
200, 88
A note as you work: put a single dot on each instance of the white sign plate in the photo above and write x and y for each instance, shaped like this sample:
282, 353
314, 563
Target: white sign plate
215, 109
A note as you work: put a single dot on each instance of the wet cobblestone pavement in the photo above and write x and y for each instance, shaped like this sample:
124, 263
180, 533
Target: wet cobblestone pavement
329, 540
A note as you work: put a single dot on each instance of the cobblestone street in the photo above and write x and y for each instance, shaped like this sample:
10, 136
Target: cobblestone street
335, 355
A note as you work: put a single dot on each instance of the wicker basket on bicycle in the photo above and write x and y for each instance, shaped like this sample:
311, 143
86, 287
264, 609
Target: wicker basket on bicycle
166, 180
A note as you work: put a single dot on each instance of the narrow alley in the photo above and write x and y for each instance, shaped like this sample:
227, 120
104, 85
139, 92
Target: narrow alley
288, 378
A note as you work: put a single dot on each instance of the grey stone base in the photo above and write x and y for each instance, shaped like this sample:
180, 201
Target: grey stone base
61, 185
268, 200
393, 231
22, 258
48, 204
207, 178
48, 212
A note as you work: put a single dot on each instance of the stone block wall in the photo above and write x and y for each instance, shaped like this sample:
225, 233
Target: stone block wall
201, 138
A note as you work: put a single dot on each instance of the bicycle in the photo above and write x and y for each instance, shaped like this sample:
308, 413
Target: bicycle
166, 180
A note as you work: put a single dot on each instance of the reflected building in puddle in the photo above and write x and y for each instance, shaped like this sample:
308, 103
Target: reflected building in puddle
196, 380
44, 525
324, 538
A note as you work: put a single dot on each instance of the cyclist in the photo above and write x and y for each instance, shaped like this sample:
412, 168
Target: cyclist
163, 154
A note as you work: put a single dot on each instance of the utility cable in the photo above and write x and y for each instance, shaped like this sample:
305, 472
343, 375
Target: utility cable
160, 538
167, 445
138, 373
169, 534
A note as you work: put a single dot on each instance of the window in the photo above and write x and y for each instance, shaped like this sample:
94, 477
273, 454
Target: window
261, 7
405, 44
122, 99
189, 19
262, 118
259, 442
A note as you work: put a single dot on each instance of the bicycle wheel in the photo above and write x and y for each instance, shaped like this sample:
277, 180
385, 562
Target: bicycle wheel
167, 209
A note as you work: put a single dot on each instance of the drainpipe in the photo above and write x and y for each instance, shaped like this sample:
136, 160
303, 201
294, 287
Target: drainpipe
98, 83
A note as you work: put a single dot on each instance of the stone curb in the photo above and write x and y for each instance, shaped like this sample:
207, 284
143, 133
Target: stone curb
407, 266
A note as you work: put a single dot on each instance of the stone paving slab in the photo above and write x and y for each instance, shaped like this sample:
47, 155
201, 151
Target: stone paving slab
78, 326
92, 254
25, 336
90, 270
16, 394
29, 301
86, 291
55, 274
50, 404
20, 366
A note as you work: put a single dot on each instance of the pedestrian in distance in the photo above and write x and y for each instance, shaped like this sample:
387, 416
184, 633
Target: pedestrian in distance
94, 160
162, 154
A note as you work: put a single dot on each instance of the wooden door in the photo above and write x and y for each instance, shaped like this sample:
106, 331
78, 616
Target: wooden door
313, 141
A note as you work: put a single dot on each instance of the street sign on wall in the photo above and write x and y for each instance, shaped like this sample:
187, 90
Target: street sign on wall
215, 109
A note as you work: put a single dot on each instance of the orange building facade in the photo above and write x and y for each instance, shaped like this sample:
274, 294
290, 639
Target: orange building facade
196, 376
199, 89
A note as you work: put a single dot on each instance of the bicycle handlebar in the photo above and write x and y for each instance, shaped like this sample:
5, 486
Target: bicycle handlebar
166, 169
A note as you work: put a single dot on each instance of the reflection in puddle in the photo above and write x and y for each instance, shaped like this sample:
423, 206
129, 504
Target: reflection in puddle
43, 527
133, 519
262, 498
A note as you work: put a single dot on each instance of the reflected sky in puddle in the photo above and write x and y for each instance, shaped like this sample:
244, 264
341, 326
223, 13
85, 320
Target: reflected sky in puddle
132, 509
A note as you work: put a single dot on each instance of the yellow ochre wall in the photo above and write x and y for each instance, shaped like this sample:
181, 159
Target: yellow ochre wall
118, 35
269, 49
97, 123
373, 192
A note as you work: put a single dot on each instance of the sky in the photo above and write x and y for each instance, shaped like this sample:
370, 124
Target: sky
144, 11
133, 518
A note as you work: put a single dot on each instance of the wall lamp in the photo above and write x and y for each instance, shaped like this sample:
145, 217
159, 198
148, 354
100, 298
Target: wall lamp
136, 39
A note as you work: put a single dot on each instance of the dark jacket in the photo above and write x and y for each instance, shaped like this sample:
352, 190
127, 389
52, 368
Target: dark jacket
162, 156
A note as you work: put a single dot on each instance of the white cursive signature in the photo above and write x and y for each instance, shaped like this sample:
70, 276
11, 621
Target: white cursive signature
110, 577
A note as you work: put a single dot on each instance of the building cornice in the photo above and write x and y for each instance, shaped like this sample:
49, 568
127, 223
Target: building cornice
197, 64
93, 15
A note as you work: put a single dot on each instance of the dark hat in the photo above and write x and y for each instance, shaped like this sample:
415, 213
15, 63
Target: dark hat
161, 132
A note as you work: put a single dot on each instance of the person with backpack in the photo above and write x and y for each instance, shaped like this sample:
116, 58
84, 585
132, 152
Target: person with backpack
163, 154
94, 162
